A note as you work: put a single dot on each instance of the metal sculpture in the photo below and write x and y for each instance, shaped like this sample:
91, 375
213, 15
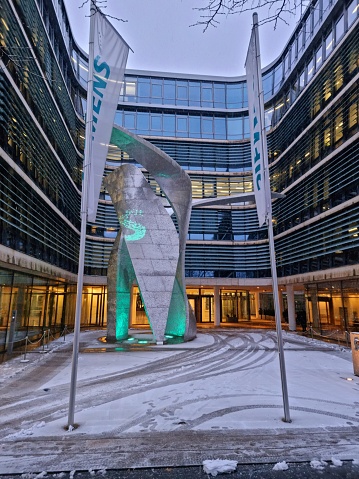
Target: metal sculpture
148, 247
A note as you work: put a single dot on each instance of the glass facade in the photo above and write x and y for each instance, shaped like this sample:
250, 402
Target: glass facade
311, 119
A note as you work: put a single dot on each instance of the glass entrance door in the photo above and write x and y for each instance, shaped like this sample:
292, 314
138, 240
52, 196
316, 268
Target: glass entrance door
207, 307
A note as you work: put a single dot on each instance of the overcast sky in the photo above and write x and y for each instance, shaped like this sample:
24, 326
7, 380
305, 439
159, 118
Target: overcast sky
161, 35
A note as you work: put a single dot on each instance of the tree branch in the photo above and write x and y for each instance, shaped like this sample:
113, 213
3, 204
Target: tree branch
277, 10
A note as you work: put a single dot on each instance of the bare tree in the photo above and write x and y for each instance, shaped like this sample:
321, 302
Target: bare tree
276, 10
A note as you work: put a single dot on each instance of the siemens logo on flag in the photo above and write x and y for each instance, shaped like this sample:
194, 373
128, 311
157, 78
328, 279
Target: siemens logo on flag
257, 155
99, 85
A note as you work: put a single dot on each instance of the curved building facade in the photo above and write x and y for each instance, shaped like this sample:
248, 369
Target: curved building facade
311, 113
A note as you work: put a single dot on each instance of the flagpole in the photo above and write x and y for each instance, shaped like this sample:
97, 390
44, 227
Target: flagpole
84, 206
269, 223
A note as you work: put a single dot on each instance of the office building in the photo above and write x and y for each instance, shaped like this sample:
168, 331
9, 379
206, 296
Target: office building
311, 117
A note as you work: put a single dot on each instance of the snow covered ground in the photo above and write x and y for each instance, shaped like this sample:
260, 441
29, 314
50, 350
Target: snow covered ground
222, 388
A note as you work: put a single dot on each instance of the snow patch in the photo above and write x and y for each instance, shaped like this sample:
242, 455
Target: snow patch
280, 466
315, 464
219, 466
336, 461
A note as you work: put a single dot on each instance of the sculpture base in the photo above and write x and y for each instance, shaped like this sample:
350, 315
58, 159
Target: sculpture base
143, 338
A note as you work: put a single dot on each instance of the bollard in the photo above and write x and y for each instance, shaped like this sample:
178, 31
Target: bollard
43, 343
24, 360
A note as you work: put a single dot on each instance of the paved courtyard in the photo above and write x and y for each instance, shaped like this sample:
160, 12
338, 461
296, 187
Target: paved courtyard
145, 406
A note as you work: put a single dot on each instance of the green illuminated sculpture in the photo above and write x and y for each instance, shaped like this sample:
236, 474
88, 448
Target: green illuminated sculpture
148, 248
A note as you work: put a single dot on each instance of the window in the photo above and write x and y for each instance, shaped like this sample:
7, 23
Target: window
339, 29
207, 93
286, 64
302, 80
220, 128
182, 91
327, 89
300, 39
316, 14
338, 77
130, 121
292, 54
268, 85
338, 126
194, 126
329, 43
130, 88
353, 112
169, 90
326, 4
246, 129
278, 76
219, 96
182, 124
353, 11
169, 126
316, 103
233, 96
156, 122
194, 94
308, 29
318, 58
119, 118
316, 146
268, 118
353, 60
207, 127
143, 91
234, 128
310, 70
143, 122
157, 89
327, 139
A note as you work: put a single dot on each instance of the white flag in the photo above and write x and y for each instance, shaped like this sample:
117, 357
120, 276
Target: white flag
256, 121
109, 63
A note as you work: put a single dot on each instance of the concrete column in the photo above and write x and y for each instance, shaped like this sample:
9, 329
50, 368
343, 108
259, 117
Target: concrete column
217, 306
291, 307
256, 301
280, 295
315, 308
132, 312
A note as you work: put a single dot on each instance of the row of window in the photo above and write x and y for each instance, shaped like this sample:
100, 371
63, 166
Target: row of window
335, 75
326, 261
211, 94
20, 138
60, 129
190, 125
30, 225
184, 125
325, 135
195, 156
